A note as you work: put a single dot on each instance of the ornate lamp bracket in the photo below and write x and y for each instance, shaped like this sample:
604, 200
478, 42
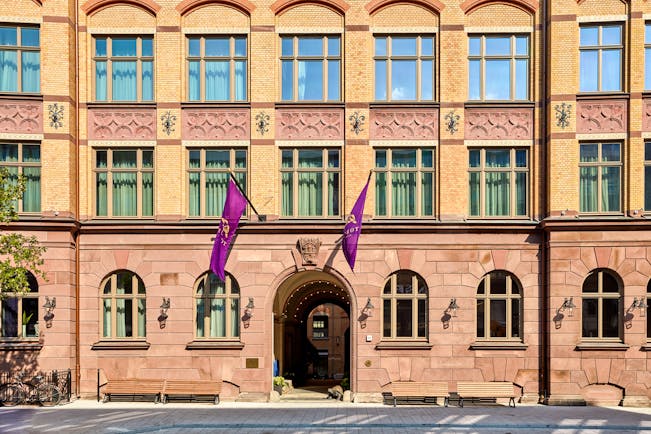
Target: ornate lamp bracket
262, 123
55, 115
168, 121
563, 112
356, 122
452, 122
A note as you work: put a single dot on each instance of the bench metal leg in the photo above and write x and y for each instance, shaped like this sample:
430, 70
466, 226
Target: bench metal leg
216, 399
460, 402
446, 401
394, 401
512, 400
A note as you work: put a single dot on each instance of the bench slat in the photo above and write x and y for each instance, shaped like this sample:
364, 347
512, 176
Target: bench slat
420, 390
488, 389
192, 388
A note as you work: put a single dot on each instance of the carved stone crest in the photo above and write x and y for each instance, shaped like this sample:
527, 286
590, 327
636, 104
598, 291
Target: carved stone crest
309, 248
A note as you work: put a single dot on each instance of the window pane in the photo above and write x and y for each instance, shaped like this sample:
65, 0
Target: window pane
287, 46
333, 158
29, 37
194, 195
609, 283
380, 80
521, 158
404, 320
386, 318
474, 79
287, 194
589, 71
426, 79
101, 200
647, 68
403, 46
474, 46
8, 153
310, 46
147, 81
124, 47
380, 194
474, 158
333, 80
217, 47
217, 78
240, 46
333, 194
426, 158
498, 158
403, 158
240, 80
521, 45
589, 318
403, 80
194, 81
611, 67
100, 47
647, 189
588, 152
589, 36
8, 71
124, 81
310, 158
647, 33
611, 35
427, 193
610, 152
610, 189
9, 36
10, 317
147, 48
521, 193
498, 46
403, 191
498, 318
100, 81
310, 80
217, 318
610, 317
404, 283
498, 282
427, 46
498, 193
480, 318
498, 79
106, 318
380, 46
515, 318
588, 189
422, 318
474, 192
333, 46
287, 80
194, 47
521, 79
32, 193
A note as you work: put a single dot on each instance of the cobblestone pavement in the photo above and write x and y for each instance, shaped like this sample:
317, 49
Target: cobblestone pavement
328, 417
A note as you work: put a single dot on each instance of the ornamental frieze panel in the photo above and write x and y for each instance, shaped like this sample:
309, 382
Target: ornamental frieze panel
414, 124
216, 124
498, 124
121, 124
601, 117
310, 124
21, 117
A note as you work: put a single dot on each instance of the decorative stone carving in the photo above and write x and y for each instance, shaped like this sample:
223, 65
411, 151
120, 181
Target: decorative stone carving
601, 116
498, 124
121, 124
55, 115
309, 250
21, 117
216, 124
414, 124
646, 115
311, 125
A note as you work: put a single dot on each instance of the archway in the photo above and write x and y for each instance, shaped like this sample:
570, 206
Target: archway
312, 330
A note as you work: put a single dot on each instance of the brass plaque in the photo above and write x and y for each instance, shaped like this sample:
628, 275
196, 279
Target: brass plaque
251, 363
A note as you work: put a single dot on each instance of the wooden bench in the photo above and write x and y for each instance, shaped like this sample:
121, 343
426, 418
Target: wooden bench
486, 389
191, 389
133, 387
420, 390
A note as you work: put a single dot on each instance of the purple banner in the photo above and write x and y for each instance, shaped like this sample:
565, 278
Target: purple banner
233, 208
353, 228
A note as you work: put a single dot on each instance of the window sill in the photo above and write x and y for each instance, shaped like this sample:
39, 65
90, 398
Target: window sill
499, 104
411, 345
309, 104
214, 345
215, 104
496, 345
403, 104
121, 105
22, 96
120, 345
602, 346
21, 345
601, 95
646, 347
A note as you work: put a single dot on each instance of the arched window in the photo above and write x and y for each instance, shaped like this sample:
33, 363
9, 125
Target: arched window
404, 306
600, 307
217, 304
19, 312
499, 307
123, 306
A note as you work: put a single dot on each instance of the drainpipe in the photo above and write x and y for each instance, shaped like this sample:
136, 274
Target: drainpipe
543, 385
77, 234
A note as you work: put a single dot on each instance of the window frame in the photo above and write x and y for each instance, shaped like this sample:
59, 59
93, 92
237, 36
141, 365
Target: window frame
113, 296
32, 294
20, 165
325, 170
600, 48
388, 170
647, 174
202, 58
419, 58
647, 55
240, 173
600, 296
139, 58
513, 170
20, 49
393, 297
600, 164
295, 58
207, 297
648, 311
513, 57
323, 331
109, 171
508, 297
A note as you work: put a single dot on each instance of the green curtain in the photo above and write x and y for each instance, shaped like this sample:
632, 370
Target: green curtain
310, 194
217, 318
588, 189
8, 71
610, 189
147, 194
427, 193
122, 317
142, 309
195, 194
520, 193
498, 193
474, 193
201, 313
403, 191
381, 193
216, 186
124, 81
125, 193
235, 319
31, 71
107, 318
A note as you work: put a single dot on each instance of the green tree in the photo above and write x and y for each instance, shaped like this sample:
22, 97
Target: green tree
18, 253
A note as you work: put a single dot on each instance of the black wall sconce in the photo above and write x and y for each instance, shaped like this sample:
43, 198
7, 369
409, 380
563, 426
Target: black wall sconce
567, 306
449, 313
248, 313
367, 312
162, 318
49, 310
639, 304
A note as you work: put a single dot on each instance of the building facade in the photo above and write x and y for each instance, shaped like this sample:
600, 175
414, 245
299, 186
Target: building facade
504, 236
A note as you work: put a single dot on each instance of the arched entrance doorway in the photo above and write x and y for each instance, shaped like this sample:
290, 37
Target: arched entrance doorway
312, 329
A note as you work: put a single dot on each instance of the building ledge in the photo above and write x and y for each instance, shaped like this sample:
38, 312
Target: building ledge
602, 95
602, 346
411, 345
496, 345
214, 345
646, 347
121, 345
21, 346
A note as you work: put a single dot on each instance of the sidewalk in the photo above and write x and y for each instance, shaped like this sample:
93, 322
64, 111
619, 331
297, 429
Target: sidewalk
328, 417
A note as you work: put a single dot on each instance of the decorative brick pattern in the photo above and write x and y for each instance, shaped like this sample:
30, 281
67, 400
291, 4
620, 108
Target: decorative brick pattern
310, 124
21, 117
216, 124
498, 124
122, 124
601, 117
415, 124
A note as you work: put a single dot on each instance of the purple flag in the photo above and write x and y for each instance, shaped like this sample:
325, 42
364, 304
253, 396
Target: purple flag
233, 209
354, 227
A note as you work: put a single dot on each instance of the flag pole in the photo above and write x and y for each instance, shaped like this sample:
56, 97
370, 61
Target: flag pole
237, 184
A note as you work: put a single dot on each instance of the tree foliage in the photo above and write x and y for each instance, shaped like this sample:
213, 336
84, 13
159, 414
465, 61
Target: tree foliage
18, 253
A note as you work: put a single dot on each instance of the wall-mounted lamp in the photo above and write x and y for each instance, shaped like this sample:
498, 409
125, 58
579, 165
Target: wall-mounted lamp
366, 313
162, 318
640, 305
452, 307
568, 306
49, 310
248, 313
